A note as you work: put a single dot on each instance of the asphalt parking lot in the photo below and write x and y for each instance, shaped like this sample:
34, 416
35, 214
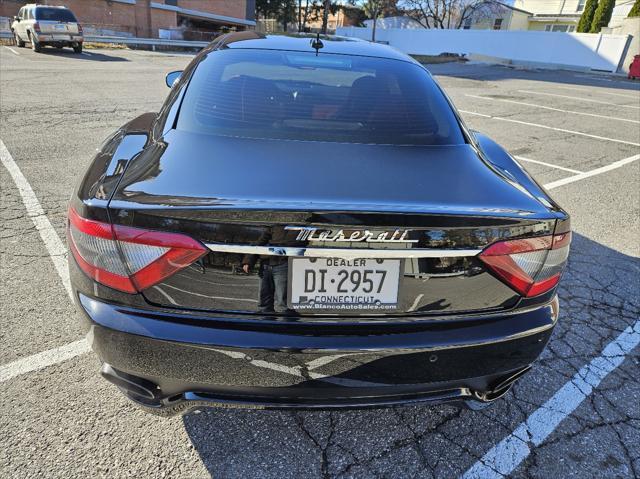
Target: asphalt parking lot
577, 413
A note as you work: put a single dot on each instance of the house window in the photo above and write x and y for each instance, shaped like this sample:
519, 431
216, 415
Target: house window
559, 28
173, 3
580, 6
497, 24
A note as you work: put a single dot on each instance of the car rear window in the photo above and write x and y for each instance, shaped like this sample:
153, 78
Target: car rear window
317, 97
55, 14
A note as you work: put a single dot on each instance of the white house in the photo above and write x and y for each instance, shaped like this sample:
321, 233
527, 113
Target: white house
563, 15
545, 15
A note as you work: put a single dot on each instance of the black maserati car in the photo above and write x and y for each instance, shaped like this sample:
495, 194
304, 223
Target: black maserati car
308, 223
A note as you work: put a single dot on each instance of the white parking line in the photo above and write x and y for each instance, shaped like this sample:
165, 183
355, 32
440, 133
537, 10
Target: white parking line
577, 88
589, 100
537, 162
12, 51
538, 125
86, 54
502, 459
589, 174
595, 78
43, 359
554, 109
57, 252
52, 242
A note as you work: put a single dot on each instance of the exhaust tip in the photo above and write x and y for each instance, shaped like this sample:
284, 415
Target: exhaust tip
482, 399
132, 384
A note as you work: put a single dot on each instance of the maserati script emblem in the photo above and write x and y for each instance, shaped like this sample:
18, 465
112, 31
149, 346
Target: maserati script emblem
316, 234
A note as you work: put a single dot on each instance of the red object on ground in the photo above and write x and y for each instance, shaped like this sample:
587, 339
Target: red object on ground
634, 68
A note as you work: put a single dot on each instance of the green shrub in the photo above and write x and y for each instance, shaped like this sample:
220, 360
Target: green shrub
602, 16
635, 10
584, 25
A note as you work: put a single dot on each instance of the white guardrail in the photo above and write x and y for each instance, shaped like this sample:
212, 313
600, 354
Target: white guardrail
145, 41
133, 41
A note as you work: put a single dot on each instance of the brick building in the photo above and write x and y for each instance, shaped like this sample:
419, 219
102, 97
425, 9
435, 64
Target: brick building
147, 18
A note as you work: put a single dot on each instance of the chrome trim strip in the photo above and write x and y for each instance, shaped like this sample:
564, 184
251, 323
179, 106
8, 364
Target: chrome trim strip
344, 253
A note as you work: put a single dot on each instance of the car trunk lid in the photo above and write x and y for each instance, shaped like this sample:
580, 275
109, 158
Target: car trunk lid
252, 202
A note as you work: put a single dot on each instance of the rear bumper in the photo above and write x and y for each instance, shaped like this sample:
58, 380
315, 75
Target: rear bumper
174, 359
51, 39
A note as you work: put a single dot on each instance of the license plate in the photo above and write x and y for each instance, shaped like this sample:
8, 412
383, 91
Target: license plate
334, 283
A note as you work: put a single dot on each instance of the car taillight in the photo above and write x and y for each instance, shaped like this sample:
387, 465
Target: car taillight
125, 258
531, 266
36, 27
80, 30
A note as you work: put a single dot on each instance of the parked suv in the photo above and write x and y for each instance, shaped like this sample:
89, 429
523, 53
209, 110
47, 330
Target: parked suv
43, 25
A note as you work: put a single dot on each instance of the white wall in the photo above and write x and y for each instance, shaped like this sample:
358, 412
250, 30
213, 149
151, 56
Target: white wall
393, 22
578, 50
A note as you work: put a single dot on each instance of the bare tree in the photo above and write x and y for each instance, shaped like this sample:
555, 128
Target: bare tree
373, 9
326, 7
299, 15
304, 11
448, 13
310, 12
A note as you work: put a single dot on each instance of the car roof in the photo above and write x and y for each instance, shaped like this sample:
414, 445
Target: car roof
303, 42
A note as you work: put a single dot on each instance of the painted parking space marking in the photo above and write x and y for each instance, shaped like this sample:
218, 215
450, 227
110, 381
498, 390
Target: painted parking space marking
506, 456
596, 78
44, 359
546, 127
57, 253
589, 100
533, 105
550, 165
35, 212
590, 90
589, 174
12, 51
